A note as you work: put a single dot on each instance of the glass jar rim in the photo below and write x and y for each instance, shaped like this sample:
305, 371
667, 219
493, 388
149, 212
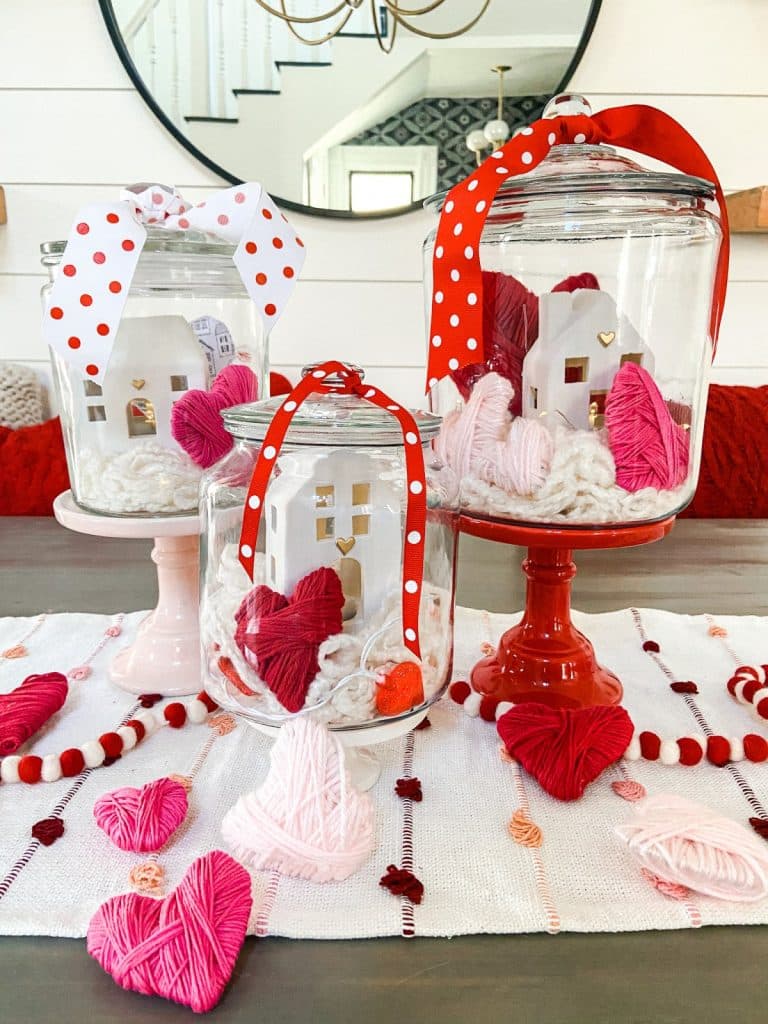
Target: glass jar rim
184, 243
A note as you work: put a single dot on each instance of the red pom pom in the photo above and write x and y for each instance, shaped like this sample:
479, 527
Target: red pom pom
139, 728
209, 702
565, 749
72, 762
651, 647
175, 715
684, 687
762, 707
48, 830
755, 748
718, 750
650, 746
401, 882
488, 707
459, 692
750, 689
112, 743
690, 751
148, 700
30, 768
409, 789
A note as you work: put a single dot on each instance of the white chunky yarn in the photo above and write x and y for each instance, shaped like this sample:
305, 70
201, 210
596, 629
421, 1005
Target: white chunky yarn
21, 396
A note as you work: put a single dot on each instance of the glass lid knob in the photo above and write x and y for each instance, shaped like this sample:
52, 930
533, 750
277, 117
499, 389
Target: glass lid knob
567, 104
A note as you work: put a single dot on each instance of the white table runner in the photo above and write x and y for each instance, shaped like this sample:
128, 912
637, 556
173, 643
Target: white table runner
476, 878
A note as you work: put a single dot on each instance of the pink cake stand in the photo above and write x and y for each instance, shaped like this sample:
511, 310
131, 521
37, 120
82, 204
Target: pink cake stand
165, 657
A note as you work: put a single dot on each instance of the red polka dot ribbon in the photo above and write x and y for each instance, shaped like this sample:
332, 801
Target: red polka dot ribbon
416, 509
86, 302
456, 328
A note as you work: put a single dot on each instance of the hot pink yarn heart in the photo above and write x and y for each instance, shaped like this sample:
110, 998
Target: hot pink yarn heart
27, 708
196, 422
142, 820
649, 448
183, 947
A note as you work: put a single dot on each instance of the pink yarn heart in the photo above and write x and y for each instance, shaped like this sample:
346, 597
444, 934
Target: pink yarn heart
196, 422
27, 708
649, 448
142, 820
183, 947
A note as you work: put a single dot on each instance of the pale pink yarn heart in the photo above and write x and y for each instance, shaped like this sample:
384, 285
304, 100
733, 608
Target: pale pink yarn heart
142, 820
196, 422
482, 440
306, 820
687, 844
648, 447
183, 947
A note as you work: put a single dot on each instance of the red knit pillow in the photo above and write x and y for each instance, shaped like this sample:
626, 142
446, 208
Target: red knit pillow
733, 483
33, 469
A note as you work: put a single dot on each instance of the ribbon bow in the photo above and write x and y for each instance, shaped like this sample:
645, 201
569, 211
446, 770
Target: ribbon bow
416, 509
456, 327
86, 301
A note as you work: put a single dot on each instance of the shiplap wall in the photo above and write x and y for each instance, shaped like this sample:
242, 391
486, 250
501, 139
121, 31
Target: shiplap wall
72, 128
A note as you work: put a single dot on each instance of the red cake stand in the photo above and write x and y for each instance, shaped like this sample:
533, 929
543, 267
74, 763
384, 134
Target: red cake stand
545, 658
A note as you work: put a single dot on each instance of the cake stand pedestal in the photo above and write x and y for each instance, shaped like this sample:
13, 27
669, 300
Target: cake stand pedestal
165, 657
545, 658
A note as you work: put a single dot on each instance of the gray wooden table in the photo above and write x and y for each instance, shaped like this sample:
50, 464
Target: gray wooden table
716, 974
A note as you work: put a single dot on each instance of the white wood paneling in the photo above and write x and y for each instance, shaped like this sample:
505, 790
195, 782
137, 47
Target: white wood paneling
706, 47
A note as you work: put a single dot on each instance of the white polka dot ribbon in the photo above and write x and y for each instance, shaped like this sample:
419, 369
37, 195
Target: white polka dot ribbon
416, 508
87, 299
456, 326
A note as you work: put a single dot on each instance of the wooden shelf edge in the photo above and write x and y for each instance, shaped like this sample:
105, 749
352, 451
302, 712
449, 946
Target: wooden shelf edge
748, 210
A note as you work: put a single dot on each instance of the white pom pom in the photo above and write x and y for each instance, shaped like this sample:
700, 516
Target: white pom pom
701, 740
737, 749
472, 704
93, 754
738, 690
757, 696
669, 752
128, 736
197, 712
633, 752
51, 769
149, 721
9, 768
503, 708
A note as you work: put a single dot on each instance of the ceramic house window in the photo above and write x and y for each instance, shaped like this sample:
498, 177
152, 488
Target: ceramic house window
141, 418
576, 370
179, 382
91, 388
324, 528
632, 357
96, 413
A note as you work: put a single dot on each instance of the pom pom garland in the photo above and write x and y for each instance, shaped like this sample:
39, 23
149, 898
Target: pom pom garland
306, 820
686, 844
104, 751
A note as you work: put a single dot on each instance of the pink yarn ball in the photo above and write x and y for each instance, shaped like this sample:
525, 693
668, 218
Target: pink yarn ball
183, 947
649, 448
27, 708
142, 820
686, 844
196, 423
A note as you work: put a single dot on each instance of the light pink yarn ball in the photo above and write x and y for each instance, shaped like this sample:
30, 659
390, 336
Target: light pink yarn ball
687, 844
306, 820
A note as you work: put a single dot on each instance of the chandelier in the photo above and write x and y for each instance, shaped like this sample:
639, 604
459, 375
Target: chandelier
344, 10
496, 132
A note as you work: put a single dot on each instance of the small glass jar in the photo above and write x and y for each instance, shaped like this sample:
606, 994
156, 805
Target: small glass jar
187, 316
590, 262
332, 526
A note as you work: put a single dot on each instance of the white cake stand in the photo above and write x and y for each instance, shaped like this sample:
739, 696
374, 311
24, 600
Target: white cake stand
165, 657
360, 760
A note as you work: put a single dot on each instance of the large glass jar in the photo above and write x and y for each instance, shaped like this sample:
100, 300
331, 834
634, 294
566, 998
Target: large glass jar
320, 625
585, 405
187, 316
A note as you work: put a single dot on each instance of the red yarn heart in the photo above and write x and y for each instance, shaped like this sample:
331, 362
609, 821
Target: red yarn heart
183, 947
27, 708
196, 423
565, 749
281, 636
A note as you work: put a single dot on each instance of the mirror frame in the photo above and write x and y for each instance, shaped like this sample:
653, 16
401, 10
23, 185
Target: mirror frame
115, 35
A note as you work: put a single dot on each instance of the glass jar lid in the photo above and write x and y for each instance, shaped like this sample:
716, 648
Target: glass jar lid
185, 243
328, 417
588, 170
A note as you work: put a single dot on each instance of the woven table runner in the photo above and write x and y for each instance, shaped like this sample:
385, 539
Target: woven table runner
476, 878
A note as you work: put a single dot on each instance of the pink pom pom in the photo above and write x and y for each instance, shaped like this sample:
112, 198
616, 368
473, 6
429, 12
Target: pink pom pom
196, 422
649, 448
113, 631
76, 675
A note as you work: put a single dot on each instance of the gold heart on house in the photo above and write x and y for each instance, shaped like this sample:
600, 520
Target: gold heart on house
345, 545
606, 337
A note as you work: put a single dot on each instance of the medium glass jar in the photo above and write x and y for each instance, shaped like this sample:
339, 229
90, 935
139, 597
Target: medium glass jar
320, 625
187, 316
585, 405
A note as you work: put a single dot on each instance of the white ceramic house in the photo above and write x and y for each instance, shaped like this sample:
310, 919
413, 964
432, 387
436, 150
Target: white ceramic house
154, 361
582, 342
331, 508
